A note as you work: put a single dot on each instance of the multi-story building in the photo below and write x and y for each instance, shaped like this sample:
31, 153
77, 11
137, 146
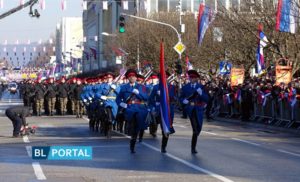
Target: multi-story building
69, 37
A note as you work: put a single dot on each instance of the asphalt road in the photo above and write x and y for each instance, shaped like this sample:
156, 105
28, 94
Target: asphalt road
226, 152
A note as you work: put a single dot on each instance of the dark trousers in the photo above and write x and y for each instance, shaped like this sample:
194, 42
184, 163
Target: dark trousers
16, 121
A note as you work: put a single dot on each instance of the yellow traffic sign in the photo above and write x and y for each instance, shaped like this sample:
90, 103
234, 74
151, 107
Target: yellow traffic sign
179, 47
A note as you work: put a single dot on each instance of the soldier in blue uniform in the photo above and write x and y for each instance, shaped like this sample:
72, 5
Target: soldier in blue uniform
154, 103
194, 100
108, 95
133, 98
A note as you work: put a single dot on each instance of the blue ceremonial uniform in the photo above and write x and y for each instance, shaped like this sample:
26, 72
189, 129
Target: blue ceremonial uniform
136, 105
111, 97
196, 104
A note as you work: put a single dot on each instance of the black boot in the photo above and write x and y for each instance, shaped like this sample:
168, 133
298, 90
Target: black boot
132, 144
164, 143
194, 142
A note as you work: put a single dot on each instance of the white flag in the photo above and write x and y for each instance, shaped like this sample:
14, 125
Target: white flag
28, 42
44, 49
5, 42
1, 4
105, 5
96, 38
15, 49
4, 49
84, 5
53, 49
34, 49
40, 41
43, 4
125, 5
24, 49
84, 39
50, 41
17, 42
64, 4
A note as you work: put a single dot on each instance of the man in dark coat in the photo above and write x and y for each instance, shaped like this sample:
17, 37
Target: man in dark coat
17, 114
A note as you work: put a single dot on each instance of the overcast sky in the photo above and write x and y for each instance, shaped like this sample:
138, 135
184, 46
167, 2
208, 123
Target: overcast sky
19, 26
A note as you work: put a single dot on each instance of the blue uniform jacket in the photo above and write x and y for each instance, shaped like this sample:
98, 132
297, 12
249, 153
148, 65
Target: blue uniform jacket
198, 103
140, 110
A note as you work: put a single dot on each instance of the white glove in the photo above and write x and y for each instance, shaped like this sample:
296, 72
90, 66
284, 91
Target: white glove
124, 105
84, 100
199, 90
90, 98
185, 101
103, 97
135, 91
158, 92
113, 86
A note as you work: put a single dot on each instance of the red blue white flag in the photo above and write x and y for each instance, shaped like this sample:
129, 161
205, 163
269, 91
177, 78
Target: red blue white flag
262, 42
167, 123
205, 18
287, 13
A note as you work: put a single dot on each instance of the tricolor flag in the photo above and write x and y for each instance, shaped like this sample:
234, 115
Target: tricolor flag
287, 12
166, 119
64, 4
262, 42
205, 18
189, 66
42, 4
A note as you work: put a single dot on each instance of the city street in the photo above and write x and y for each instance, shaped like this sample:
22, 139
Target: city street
226, 152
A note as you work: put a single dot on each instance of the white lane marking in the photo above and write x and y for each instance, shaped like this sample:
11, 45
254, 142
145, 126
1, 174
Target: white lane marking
245, 141
197, 168
29, 151
181, 126
38, 171
210, 133
286, 152
26, 139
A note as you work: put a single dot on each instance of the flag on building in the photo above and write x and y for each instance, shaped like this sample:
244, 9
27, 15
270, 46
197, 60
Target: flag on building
105, 5
94, 52
125, 5
84, 5
287, 13
1, 4
21, 2
42, 4
262, 42
205, 18
166, 120
64, 4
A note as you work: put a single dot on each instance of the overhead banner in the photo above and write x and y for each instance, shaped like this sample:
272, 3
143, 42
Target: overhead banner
237, 76
283, 72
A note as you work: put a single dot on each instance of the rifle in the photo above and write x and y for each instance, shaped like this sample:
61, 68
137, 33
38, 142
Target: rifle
147, 75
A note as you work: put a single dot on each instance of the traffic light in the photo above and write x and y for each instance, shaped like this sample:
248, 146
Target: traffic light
121, 24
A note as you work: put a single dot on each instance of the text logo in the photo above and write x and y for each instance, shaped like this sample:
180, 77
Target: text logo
62, 153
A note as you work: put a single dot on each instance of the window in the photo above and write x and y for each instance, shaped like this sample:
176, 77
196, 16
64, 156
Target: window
173, 4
